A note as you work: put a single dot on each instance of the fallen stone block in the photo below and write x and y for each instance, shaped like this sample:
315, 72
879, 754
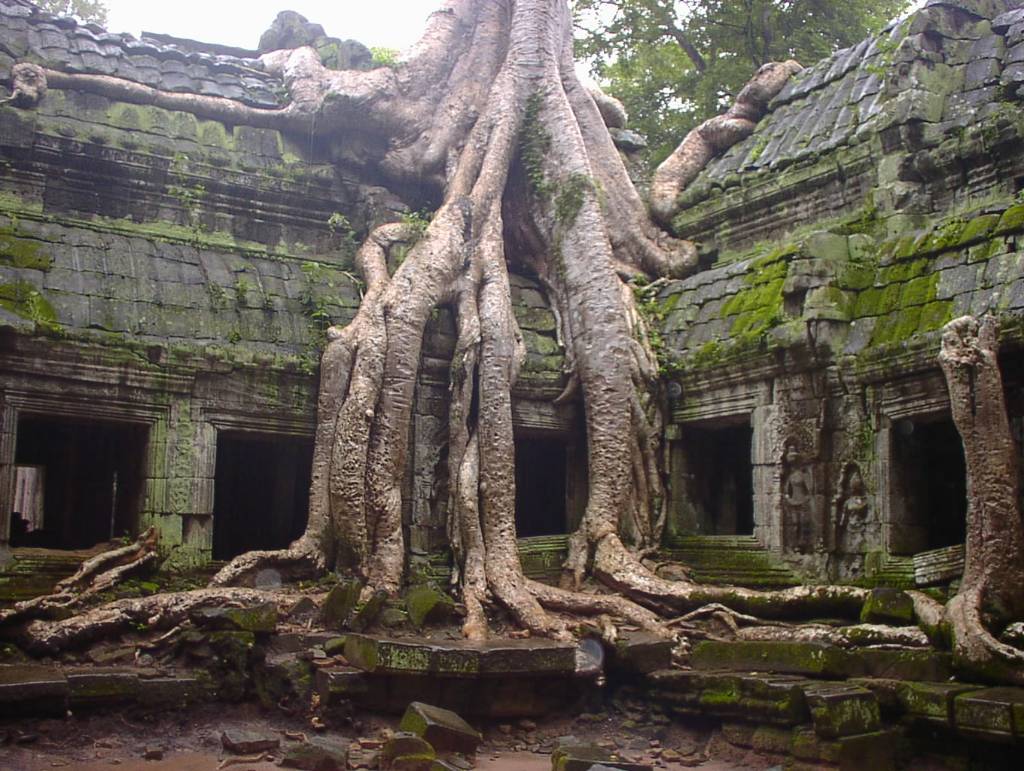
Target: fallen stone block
408, 752
339, 603
570, 755
442, 728
641, 653
888, 606
29, 689
248, 742
427, 605
316, 754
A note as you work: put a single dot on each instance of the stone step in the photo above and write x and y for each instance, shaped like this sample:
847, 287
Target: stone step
736, 560
992, 714
821, 660
37, 690
939, 565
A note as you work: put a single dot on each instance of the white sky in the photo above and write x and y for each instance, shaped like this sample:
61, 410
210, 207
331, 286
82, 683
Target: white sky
386, 23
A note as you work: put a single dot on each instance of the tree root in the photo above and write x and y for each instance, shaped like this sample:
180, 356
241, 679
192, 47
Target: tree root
97, 574
159, 611
715, 136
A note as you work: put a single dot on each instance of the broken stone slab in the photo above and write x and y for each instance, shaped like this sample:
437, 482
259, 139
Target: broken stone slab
243, 742
409, 656
841, 709
368, 613
316, 754
442, 728
261, 618
29, 689
340, 602
102, 687
801, 658
407, 751
571, 755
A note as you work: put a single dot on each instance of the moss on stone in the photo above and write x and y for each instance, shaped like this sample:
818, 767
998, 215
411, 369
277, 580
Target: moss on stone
23, 253
24, 300
1011, 221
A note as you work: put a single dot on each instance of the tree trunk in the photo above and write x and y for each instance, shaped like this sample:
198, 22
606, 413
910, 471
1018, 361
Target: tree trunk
992, 589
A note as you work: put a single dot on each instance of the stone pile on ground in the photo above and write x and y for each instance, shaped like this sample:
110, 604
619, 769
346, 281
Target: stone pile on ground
430, 739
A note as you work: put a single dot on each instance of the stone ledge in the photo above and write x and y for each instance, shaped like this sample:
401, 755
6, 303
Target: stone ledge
509, 658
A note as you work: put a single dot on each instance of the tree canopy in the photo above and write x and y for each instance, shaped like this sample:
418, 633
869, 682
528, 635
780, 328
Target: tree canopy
675, 63
84, 10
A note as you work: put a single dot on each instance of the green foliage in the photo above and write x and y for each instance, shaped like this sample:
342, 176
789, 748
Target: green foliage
534, 144
418, 221
675, 63
23, 299
338, 223
384, 57
83, 10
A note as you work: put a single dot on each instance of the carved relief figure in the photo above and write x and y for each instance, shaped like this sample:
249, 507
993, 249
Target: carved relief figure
797, 499
852, 512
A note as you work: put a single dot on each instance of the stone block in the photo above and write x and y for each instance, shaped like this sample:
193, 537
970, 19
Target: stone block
641, 653
340, 602
931, 701
428, 605
924, 665
442, 728
316, 754
572, 755
28, 689
244, 742
340, 683
804, 658
102, 688
171, 692
839, 709
888, 606
995, 712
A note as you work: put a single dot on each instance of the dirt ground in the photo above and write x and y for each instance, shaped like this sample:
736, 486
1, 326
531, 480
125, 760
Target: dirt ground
190, 741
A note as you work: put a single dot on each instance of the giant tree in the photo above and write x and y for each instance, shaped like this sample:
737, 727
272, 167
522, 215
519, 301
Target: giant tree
487, 113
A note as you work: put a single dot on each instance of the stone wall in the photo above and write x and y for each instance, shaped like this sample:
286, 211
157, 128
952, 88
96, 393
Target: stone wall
879, 200
177, 273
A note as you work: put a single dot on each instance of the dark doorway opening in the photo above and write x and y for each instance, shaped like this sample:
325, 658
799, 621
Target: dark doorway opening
80, 480
719, 479
540, 487
929, 505
261, 492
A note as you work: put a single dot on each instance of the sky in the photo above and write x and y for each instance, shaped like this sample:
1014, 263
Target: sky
385, 23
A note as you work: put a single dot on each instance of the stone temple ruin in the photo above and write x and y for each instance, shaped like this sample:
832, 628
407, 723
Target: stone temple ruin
166, 280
